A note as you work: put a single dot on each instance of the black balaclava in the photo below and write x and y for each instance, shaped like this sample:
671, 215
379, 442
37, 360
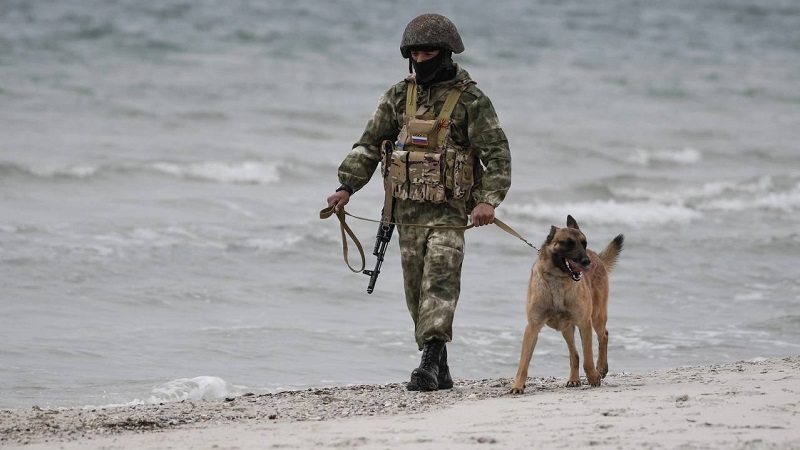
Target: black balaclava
439, 68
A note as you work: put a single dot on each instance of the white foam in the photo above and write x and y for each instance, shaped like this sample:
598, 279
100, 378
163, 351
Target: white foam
787, 201
677, 194
749, 297
262, 244
197, 388
600, 212
684, 156
75, 171
728, 196
248, 172
684, 193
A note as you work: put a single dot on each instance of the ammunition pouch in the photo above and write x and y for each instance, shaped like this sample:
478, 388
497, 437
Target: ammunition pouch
462, 174
431, 176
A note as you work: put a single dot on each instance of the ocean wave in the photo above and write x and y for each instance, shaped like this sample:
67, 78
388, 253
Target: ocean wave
170, 236
266, 245
763, 193
606, 212
224, 172
646, 206
784, 324
182, 389
17, 228
48, 171
786, 201
686, 193
197, 388
247, 172
642, 157
65, 243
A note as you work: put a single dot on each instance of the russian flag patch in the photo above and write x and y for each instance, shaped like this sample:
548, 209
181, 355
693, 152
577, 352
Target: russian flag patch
419, 140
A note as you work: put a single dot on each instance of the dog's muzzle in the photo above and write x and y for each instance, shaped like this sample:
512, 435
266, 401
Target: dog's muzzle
575, 270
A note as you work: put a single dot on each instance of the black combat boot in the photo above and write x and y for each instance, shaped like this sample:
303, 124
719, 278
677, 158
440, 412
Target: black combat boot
426, 376
444, 380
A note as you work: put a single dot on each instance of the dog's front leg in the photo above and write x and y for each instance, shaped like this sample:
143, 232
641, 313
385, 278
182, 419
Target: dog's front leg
574, 377
592, 375
528, 344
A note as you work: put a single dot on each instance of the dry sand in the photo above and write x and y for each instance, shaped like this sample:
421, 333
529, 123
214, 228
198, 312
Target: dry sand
744, 405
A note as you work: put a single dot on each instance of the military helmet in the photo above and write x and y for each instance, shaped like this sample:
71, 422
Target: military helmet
431, 30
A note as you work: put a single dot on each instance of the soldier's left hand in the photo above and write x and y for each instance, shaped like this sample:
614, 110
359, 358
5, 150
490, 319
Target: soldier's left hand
482, 214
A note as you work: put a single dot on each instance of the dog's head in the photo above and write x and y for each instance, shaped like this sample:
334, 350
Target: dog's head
566, 249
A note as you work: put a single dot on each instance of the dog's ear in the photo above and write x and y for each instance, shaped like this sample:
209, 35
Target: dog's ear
552, 234
571, 223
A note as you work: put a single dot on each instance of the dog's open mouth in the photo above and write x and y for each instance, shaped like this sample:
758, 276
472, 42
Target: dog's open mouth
574, 269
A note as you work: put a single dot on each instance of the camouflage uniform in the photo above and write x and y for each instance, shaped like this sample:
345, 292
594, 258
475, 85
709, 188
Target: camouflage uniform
431, 259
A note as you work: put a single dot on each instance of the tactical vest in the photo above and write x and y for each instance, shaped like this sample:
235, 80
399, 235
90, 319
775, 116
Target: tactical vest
425, 164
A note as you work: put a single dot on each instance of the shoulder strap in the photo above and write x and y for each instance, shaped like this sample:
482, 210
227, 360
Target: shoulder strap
411, 96
448, 107
452, 99
449, 104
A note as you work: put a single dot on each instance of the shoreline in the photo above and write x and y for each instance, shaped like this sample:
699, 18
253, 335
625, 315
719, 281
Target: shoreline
747, 404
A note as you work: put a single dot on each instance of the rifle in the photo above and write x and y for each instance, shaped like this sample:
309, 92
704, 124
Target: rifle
382, 239
386, 226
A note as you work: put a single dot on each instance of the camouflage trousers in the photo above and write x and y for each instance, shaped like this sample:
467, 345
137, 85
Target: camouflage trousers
431, 261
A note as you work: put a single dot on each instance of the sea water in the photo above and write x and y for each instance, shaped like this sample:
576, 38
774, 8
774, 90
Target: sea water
162, 166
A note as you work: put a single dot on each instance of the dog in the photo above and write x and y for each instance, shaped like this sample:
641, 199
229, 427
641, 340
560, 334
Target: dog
568, 288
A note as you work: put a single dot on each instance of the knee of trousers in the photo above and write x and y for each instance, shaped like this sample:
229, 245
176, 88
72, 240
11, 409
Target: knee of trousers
432, 268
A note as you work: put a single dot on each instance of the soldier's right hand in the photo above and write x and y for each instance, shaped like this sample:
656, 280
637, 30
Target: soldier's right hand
338, 200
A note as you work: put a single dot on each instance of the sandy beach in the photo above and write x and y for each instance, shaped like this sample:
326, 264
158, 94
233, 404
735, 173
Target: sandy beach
744, 405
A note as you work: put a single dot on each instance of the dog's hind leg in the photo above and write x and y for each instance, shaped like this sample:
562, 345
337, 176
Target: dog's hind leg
574, 360
592, 376
526, 354
602, 357
599, 318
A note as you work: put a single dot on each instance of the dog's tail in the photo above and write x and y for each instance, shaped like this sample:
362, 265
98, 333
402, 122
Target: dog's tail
611, 252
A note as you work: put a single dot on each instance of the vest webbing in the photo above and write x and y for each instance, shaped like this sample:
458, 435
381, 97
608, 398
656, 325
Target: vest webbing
447, 108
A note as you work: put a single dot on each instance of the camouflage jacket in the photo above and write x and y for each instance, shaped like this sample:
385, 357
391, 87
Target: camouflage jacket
474, 124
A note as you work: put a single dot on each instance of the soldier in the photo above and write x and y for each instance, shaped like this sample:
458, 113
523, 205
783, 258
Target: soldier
449, 161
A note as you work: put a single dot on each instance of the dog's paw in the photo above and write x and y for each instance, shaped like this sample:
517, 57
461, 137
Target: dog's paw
517, 390
594, 381
574, 383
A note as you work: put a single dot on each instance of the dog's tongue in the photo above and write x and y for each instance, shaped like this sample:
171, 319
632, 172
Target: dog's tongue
575, 267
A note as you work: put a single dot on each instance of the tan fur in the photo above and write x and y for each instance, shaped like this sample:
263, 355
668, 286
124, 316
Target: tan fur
557, 300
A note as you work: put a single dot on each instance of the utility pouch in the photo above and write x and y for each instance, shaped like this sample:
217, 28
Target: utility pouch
422, 133
450, 163
398, 174
463, 174
426, 177
460, 171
